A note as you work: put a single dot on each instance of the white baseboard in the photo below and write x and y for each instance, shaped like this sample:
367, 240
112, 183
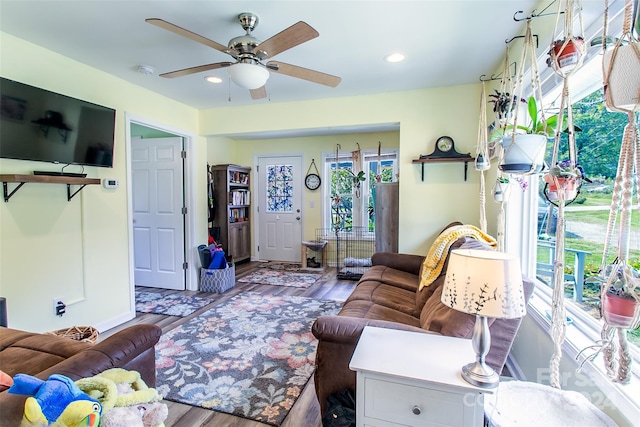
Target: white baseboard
116, 321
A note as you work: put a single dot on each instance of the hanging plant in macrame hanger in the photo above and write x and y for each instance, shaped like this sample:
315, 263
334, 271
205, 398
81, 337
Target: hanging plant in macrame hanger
564, 176
524, 141
619, 281
482, 162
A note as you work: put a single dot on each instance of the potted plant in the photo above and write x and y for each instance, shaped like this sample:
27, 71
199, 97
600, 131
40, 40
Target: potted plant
501, 189
504, 105
620, 301
524, 145
564, 177
564, 54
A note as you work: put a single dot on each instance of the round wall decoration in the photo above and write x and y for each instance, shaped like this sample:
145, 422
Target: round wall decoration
312, 181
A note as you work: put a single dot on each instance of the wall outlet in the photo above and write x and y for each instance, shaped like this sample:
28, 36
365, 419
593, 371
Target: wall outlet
59, 307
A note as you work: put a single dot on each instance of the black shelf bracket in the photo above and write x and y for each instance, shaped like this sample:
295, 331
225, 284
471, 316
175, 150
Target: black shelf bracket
5, 188
70, 195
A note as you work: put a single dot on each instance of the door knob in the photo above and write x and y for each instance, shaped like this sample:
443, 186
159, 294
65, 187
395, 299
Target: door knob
416, 410
298, 210
298, 218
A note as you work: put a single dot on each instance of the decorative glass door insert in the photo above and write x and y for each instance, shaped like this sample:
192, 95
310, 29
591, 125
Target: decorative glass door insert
279, 188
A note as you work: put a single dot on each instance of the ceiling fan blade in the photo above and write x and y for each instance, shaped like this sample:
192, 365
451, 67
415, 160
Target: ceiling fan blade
303, 73
259, 93
286, 39
190, 35
193, 70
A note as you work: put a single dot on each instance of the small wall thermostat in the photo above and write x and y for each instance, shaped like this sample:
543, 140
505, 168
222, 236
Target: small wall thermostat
110, 183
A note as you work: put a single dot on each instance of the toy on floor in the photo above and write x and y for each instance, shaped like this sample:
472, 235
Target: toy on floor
55, 402
134, 405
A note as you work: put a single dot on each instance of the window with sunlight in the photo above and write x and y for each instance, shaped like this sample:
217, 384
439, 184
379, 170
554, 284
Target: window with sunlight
350, 195
598, 137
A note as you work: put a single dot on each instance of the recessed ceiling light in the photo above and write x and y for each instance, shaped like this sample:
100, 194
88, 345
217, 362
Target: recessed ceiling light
213, 79
394, 57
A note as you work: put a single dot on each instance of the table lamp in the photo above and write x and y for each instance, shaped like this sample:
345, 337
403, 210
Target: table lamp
487, 284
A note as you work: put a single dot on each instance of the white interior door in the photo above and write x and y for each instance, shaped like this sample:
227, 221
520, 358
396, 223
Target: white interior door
280, 208
158, 219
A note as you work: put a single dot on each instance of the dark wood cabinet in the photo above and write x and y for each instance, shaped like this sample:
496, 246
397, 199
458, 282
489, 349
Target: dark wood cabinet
232, 219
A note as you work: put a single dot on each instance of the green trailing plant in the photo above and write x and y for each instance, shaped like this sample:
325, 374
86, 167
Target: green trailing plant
536, 125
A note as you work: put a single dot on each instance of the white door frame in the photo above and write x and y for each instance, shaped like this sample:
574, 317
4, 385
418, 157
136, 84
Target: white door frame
190, 200
255, 225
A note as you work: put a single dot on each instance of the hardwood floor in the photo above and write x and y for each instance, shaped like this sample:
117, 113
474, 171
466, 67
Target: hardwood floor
306, 411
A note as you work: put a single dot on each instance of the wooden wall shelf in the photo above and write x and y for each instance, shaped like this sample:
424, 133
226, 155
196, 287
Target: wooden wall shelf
464, 159
44, 179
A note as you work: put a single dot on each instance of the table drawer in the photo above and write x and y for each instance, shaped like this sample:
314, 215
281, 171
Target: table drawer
390, 401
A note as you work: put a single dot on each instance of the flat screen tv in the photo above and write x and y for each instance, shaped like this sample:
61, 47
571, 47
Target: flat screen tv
36, 124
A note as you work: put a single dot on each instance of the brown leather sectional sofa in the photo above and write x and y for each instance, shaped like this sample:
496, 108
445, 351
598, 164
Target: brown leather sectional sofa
43, 355
387, 296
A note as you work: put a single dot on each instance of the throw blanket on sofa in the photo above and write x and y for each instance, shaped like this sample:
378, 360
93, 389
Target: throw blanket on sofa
434, 262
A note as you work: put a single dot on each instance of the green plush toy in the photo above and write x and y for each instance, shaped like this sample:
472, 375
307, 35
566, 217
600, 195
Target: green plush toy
133, 405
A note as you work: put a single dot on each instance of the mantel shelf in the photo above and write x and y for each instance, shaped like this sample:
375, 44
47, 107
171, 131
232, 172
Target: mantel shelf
46, 179
465, 159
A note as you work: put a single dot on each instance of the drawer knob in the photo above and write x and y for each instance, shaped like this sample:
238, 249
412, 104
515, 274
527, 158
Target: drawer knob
416, 410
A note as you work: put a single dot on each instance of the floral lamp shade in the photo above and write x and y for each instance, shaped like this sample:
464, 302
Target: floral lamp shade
484, 283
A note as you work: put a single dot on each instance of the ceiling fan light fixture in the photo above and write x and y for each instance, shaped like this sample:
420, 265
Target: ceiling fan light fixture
248, 76
213, 79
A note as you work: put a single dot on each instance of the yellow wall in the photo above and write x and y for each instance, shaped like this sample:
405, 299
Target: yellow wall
311, 147
78, 250
424, 115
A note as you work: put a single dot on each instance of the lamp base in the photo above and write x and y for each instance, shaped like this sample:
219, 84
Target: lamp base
480, 375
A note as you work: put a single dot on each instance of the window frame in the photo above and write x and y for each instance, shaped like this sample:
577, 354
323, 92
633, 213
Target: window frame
521, 240
368, 156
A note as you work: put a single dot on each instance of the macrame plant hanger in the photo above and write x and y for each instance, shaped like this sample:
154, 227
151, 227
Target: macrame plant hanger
564, 64
618, 276
533, 155
504, 116
482, 162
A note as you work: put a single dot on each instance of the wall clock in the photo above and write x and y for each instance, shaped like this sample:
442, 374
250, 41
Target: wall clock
445, 149
312, 181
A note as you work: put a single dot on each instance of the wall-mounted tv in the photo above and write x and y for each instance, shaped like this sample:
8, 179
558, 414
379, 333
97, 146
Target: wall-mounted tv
36, 124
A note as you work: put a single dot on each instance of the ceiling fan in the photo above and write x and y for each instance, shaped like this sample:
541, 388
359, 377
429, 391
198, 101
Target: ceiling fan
248, 70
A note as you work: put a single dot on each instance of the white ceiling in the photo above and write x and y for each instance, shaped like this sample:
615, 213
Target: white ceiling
445, 42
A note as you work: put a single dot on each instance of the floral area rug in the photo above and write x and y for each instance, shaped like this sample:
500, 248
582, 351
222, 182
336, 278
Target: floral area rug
267, 276
171, 305
250, 356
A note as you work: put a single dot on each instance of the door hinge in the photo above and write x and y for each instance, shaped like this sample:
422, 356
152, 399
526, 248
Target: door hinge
184, 210
183, 154
185, 265
258, 248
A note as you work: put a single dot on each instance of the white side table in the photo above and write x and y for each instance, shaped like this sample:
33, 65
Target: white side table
413, 379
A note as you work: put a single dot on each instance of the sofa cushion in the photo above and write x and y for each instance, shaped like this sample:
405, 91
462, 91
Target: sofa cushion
31, 353
387, 296
391, 276
370, 310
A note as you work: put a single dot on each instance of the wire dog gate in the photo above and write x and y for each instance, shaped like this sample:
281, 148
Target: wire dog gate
348, 250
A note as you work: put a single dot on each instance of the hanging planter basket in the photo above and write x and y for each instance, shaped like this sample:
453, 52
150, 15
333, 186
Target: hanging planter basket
482, 163
569, 185
622, 79
525, 155
565, 55
620, 304
619, 310
501, 191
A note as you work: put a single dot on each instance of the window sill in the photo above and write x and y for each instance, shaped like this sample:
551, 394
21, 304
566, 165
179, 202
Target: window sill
581, 333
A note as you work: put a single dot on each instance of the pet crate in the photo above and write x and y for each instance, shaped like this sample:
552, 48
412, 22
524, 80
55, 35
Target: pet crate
348, 250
